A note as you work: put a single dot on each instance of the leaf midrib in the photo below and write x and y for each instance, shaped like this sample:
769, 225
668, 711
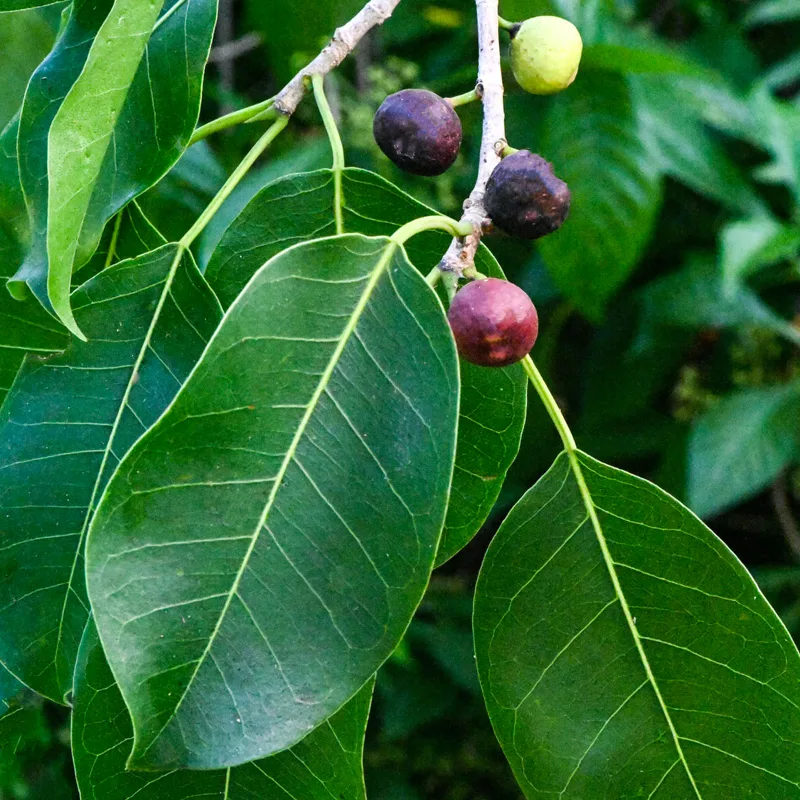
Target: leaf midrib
574, 461
349, 329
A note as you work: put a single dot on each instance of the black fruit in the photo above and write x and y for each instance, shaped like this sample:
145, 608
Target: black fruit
524, 198
494, 323
419, 131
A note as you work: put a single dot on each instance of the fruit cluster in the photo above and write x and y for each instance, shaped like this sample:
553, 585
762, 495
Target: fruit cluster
494, 323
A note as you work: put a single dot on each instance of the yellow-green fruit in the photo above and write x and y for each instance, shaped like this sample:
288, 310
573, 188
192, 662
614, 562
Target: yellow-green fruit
545, 54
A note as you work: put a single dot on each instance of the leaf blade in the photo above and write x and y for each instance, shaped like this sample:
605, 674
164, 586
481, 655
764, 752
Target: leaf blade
326, 763
78, 141
591, 135
150, 317
637, 703
279, 505
493, 402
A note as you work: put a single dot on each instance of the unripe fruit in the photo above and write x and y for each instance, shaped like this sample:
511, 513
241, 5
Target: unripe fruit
419, 131
545, 54
524, 198
494, 323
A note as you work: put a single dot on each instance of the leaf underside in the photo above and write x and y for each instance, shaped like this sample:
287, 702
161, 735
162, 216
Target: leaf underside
326, 764
679, 682
132, 145
304, 470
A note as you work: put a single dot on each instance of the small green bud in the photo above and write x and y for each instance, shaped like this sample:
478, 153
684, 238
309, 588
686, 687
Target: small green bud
545, 54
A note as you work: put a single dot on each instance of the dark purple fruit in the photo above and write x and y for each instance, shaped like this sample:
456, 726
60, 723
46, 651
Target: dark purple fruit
524, 198
419, 131
494, 323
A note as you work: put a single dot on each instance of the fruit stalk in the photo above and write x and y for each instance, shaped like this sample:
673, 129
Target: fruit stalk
461, 253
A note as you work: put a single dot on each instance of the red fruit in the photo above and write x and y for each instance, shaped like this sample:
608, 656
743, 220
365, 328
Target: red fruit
494, 323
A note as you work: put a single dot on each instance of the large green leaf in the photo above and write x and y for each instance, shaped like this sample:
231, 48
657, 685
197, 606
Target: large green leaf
694, 296
114, 147
24, 326
683, 148
327, 764
300, 207
304, 470
64, 426
592, 137
625, 652
83, 132
741, 445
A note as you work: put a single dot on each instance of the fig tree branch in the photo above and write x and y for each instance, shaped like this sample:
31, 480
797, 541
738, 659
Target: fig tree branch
461, 253
285, 103
344, 41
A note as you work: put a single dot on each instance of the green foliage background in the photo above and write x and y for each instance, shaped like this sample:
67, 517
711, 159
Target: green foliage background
670, 301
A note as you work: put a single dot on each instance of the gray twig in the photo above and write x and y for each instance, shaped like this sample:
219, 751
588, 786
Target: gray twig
461, 253
344, 41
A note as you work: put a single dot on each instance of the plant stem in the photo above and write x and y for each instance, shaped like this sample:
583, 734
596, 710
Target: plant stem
222, 195
461, 253
433, 222
434, 276
318, 83
112, 245
506, 25
550, 405
234, 118
463, 99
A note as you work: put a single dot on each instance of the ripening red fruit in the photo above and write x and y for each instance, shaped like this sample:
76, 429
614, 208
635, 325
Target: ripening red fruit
419, 131
494, 322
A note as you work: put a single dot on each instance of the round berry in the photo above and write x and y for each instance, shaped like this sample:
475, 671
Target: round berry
494, 322
419, 131
545, 54
524, 198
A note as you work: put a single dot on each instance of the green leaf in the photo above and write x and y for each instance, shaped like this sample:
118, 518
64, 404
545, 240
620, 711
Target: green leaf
65, 424
326, 764
624, 651
741, 445
25, 39
148, 107
130, 235
24, 326
749, 245
82, 133
771, 11
304, 470
683, 148
19, 5
300, 207
592, 137
693, 297
784, 73
639, 58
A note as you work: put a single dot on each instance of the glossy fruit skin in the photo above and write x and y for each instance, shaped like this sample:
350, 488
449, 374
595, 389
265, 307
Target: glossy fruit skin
545, 54
494, 323
524, 197
419, 131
